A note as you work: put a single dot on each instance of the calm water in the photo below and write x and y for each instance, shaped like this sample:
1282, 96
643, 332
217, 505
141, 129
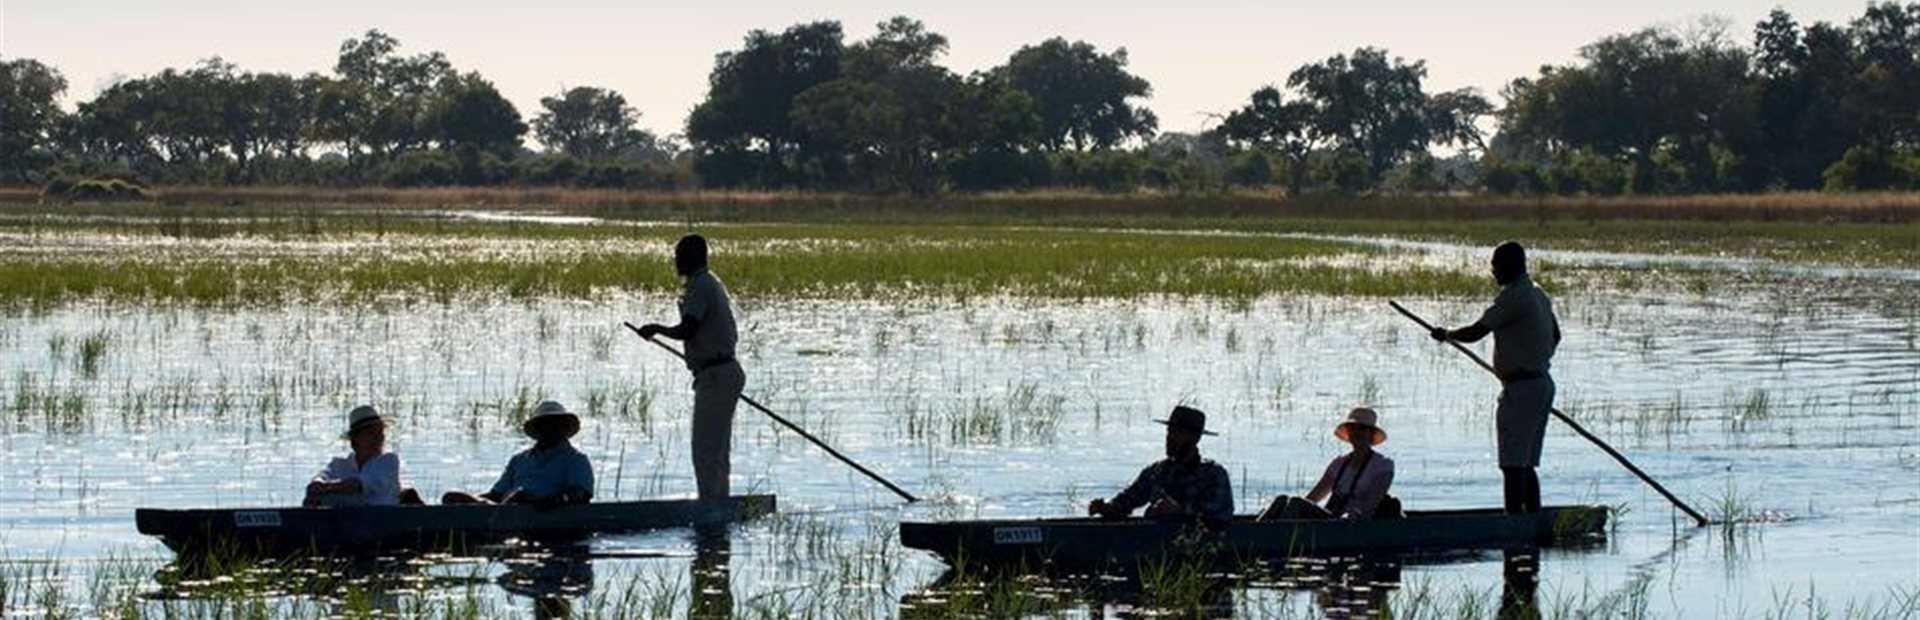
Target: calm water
1789, 398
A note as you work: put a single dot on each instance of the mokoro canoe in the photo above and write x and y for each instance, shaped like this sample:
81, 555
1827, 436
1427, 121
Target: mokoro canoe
1084, 542
374, 530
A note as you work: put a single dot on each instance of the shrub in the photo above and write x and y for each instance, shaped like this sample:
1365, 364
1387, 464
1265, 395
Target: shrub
94, 190
1873, 167
1251, 169
1344, 170
421, 169
1510, 177
998, 169
1110, 171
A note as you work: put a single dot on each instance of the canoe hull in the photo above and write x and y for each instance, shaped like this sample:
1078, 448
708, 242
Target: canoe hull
1123, 542
374, 530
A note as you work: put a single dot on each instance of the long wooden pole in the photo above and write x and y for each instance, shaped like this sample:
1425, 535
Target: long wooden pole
792, 427
1569, 422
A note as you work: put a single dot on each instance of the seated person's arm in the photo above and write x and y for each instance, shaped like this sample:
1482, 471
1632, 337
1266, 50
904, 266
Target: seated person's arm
504, 487
579, 489
1324, 487
1135, 496
323, 485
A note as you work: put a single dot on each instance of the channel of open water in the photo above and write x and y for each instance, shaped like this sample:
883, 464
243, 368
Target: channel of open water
1788, 403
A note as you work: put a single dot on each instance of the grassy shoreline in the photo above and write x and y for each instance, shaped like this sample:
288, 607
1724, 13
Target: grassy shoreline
253, 254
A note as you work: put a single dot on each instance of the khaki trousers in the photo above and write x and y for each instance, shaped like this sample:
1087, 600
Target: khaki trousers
716, 394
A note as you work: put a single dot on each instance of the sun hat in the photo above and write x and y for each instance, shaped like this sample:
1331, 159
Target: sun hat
361, 417
1362, 416
551, 410
1188, 418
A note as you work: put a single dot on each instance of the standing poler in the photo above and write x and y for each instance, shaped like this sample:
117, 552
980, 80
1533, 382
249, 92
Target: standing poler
706, 324
1525, 334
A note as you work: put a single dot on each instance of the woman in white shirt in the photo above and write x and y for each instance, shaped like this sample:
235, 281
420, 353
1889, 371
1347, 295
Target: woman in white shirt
1354, 485
367, 476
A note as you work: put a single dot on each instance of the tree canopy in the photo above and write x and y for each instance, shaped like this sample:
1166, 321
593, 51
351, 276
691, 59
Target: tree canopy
1700, 108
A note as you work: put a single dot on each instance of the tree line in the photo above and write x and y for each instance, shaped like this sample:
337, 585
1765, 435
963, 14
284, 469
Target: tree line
1660, 110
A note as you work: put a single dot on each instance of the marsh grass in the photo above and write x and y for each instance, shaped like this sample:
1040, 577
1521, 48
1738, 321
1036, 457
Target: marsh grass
1025, 415
1118, 253
56, 409
1844, 228
774, 261
93, 348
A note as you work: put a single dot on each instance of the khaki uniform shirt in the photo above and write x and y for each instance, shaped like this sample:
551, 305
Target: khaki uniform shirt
705, 300
1525, 332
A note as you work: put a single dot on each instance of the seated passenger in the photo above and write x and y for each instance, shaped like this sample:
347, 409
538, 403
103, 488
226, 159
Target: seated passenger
551, 473
1181, 485
367, 476
1354, 485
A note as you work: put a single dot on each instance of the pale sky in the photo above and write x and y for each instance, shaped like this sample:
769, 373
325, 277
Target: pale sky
1202, 56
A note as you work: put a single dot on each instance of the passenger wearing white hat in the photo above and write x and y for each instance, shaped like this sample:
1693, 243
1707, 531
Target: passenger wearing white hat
1354, 485
550, 473
367, 476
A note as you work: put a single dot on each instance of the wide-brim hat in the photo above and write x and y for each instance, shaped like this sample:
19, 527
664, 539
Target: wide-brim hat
361, 417
1364, 417
551, 411
1188, 418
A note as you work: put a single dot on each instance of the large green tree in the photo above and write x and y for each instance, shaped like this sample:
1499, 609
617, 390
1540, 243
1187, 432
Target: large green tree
592, 124
744, 127
892, 110
1369, 104
469, 113
1667, 103
383, 100
1270, 122
1084, 97
29, 116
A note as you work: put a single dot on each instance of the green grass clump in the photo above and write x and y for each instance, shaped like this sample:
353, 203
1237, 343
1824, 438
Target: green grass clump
767, 260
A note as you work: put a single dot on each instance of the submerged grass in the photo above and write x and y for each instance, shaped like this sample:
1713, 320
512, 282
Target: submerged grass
1854, 229
769, 260
280, 254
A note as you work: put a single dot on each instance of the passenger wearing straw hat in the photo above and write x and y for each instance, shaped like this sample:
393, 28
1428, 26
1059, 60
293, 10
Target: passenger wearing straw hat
1181, 485
367, 476
1354, 485
550, 473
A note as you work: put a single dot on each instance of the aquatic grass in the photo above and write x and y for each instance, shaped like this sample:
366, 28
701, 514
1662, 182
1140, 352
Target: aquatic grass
774, 259
1879, 229
1023, 416
1369, 390
1743, 410
884, 263
1181, 587
57, 409
57, 347
93, 348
